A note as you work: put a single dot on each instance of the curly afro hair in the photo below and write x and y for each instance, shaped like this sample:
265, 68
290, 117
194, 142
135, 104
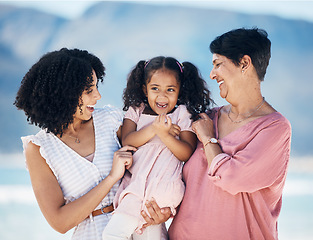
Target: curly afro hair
50, 91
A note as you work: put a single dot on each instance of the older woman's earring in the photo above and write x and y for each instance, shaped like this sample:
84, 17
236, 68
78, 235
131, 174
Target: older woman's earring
242, 70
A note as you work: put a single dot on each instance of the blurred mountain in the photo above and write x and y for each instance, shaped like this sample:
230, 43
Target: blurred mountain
121, 34
24, 36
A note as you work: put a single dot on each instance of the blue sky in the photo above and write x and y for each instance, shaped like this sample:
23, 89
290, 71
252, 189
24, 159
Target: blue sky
286, 9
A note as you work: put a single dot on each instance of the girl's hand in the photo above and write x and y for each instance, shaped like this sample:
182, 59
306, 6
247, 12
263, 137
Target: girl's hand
174, 130
162, 125
203, 127
158, 215
123, 159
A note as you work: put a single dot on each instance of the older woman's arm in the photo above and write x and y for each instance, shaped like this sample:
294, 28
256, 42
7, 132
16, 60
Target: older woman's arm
205, 131
258, 165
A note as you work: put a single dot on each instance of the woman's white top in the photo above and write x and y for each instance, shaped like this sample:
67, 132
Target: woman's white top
75, 174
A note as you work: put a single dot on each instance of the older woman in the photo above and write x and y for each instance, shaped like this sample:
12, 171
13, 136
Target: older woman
235, 178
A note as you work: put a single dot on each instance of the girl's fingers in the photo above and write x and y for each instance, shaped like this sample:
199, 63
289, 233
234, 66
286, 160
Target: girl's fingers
176, 132
176, 127
169, 120
162, 118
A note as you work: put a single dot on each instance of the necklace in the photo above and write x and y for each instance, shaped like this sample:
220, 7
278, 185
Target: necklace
76, 138
256, 109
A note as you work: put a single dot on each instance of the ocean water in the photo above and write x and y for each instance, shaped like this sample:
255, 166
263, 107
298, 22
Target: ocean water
20, 216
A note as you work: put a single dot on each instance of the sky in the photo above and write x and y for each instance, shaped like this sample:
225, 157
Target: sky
302, 10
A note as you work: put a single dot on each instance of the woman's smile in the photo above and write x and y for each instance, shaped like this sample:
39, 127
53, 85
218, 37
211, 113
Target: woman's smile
91, 108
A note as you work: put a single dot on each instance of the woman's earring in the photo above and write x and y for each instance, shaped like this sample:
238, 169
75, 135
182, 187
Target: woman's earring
80, 109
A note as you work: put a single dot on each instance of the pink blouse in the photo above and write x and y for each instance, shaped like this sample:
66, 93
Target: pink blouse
240, 195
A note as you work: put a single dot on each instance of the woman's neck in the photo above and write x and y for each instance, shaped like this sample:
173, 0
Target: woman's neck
75, 126
246, 105
246, 99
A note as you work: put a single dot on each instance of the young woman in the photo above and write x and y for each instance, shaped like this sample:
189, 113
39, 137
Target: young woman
74, 162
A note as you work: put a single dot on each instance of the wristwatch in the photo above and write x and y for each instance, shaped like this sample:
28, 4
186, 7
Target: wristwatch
210, 140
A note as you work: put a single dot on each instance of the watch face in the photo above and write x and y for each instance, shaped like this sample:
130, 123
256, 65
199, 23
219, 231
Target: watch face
213, 140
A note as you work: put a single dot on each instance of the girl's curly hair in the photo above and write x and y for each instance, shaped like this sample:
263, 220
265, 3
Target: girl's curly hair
50, 91
193, 93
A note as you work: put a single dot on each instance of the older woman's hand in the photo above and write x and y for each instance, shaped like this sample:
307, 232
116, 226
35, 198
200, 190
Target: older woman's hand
203, 127
158, 215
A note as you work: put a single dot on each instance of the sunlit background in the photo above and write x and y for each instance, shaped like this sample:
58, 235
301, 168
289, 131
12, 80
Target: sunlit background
121, 33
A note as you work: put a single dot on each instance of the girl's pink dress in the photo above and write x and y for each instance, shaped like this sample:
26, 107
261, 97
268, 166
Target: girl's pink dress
156, 172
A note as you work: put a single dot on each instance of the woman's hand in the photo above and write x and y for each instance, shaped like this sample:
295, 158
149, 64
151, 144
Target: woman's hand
158, 215
203, 127
123, 159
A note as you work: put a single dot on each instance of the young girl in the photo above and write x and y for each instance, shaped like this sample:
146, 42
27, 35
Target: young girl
161, 99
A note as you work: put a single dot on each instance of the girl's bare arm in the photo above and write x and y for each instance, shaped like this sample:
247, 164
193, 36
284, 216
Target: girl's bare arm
132, 137
181, 147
